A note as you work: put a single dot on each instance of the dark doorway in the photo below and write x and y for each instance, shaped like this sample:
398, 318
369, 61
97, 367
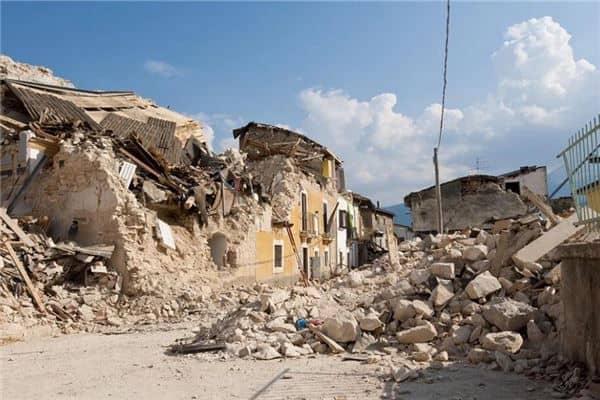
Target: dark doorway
514, 187
305, 260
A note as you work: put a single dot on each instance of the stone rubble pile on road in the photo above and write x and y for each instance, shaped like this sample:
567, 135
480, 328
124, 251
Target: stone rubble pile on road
453, 297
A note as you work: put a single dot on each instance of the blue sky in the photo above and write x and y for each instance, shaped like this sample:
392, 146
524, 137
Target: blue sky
360, 77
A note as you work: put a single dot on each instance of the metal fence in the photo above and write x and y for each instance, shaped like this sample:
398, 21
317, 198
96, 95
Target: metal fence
582, 162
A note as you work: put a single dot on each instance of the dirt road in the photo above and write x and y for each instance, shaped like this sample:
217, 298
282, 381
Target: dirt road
134, 366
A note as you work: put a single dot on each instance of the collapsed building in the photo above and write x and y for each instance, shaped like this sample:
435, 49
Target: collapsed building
109, 187
314, 231
533, 176
111, 167
470, 201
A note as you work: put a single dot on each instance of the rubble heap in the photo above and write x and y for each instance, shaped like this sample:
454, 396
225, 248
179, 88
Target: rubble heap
453, 297
22, 71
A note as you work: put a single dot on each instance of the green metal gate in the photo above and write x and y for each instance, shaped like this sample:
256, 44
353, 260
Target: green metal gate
582, 162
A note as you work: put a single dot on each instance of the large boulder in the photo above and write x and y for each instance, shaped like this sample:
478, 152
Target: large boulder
404, 310
508, 342
508, 314
442, 294
425, 332
342, 328
483, 285
444, 270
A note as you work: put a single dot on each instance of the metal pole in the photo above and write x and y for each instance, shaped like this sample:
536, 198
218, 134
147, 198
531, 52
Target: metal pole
438, 192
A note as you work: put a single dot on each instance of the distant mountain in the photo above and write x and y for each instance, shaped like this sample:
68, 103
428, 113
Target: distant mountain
402, 214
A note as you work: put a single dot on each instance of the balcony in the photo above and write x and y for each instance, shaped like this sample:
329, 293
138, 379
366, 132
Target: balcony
310, 227
327, 237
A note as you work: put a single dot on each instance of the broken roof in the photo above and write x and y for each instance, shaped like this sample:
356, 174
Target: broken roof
385, 212
522, 170
362, 200
277, 129
93, 106
468, 178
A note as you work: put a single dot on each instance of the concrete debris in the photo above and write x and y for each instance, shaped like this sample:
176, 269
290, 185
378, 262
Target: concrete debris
508, 314
509, 342
409, 312
482, 286
419, 334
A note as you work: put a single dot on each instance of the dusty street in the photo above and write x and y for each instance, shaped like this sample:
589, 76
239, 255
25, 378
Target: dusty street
134, 365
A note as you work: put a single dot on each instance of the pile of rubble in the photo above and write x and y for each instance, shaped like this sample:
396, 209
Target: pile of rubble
53, 284
16, 70
453, 297
49, 288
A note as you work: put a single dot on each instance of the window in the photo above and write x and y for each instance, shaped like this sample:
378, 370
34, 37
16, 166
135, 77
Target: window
341, 259
326, 258
278, 256
343, 216
305, 260
325, 214
304, 212
315, 223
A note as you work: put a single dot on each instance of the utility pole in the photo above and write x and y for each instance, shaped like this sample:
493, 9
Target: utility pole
438, 192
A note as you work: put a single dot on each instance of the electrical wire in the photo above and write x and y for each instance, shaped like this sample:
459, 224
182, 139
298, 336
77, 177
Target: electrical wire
445, 72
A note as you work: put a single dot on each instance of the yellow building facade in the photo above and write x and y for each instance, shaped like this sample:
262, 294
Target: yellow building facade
276, 256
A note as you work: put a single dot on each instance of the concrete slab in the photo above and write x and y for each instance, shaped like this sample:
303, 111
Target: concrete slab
548, 241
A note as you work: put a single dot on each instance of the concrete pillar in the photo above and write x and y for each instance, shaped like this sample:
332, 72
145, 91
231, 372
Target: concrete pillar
580, 296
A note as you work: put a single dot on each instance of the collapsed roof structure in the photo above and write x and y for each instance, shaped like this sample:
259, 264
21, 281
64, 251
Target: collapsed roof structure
468, 201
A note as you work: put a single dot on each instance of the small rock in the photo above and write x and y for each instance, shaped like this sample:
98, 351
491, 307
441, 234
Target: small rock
419, 276
404, 310
442, 294
419, 334
266, 352
475, 253
509, 342
422, 308
370, 322
478, 355
483, 285
444, 270
441, 356
534, 333
504, 361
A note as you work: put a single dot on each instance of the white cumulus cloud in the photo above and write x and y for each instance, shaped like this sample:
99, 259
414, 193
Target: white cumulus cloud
161, 68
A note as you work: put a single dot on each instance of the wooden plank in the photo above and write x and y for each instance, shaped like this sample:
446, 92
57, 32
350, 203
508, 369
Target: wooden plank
12, 224
99, 250
32, 290
333, 345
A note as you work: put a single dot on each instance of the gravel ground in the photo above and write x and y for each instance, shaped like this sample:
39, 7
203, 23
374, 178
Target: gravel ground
134, 365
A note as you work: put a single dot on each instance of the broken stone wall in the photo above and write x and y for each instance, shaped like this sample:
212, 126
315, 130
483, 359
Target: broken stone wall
463, 206
82, 184
580, 280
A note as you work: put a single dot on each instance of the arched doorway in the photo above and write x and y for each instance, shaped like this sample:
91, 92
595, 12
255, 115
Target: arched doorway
218, 248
